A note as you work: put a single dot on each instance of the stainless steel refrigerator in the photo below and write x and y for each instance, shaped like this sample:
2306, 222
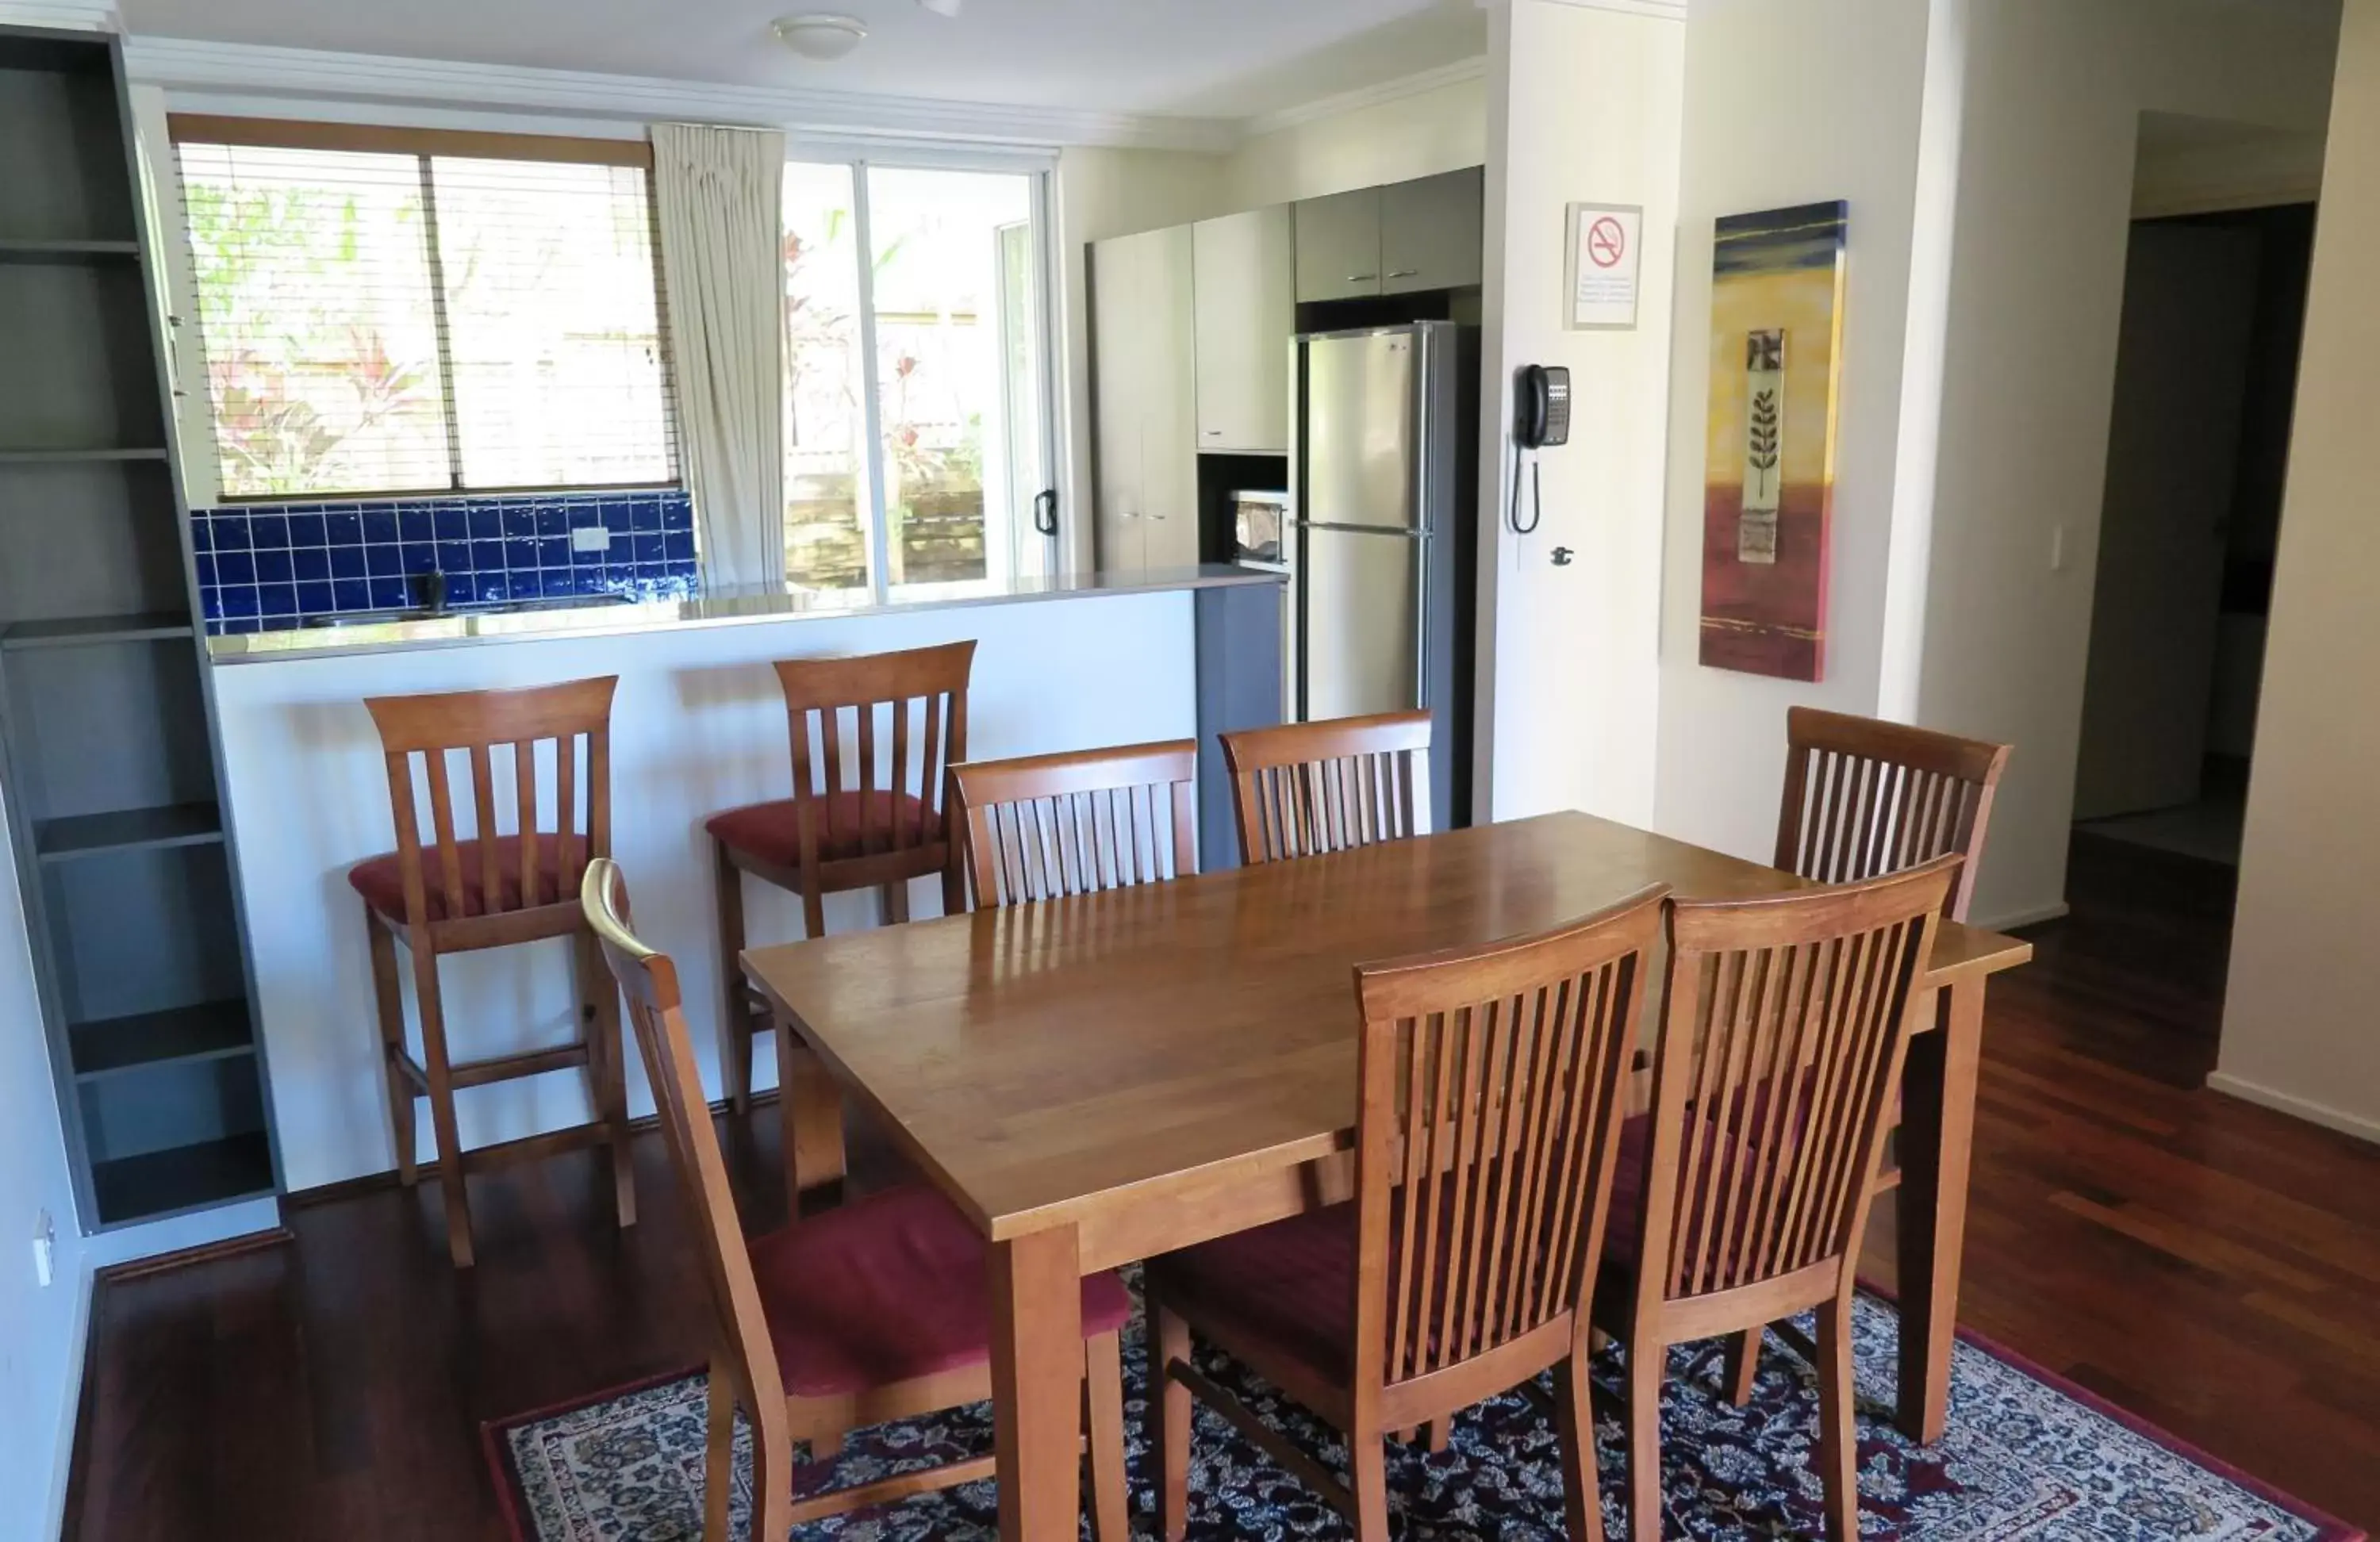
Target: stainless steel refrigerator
1383, 486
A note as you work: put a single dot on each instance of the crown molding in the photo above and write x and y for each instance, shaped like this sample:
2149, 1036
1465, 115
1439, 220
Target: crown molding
1670, 10
1367, 96
74, 16
254, 70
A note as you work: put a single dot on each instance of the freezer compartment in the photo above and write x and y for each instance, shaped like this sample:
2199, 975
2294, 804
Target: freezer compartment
1362, 437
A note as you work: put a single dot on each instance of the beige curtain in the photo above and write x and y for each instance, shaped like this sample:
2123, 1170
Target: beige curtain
717, 194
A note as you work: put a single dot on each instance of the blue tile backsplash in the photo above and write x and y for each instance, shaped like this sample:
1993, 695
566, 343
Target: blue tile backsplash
265, 567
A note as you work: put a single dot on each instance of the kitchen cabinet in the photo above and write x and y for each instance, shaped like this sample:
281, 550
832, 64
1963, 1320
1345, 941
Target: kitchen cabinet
1399, 239
1144, 435
1430, 232
1245, 314
1339, 246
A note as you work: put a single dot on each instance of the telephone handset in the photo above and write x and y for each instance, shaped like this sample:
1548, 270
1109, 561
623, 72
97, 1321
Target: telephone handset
1541, 419
1541, 414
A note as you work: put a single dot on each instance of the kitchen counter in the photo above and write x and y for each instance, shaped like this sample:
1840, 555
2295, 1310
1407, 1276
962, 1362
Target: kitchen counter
721, 608
697, 726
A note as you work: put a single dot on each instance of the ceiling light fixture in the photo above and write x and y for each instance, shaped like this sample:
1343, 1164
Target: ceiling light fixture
941, 7
820, 36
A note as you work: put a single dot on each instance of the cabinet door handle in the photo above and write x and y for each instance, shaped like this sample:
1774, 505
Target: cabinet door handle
1361, 278
1406, 273
1214, 433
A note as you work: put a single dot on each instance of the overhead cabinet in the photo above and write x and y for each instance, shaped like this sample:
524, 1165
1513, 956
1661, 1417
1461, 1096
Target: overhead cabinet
1403, 238
1244, 318
1144, 396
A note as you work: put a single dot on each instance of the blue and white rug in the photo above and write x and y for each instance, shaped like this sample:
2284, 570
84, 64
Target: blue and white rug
2025, 1458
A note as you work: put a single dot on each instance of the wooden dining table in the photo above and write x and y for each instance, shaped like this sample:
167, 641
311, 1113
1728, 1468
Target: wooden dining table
1106, 1077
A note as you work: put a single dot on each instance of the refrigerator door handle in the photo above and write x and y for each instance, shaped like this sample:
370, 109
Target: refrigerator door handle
1421, 628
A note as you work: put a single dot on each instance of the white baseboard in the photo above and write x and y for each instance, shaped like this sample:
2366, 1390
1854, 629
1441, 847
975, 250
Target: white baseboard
2013, 919
2348, 1124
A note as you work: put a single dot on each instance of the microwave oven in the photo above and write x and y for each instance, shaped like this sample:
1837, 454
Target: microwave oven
1261, 529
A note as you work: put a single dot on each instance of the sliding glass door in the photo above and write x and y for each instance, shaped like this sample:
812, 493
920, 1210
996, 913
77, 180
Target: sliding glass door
918, 437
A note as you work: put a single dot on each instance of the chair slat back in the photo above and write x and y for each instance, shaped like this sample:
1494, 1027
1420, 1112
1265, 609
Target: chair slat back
913, 703
1486, 1137
1865, 797
1048, 825
497, 735
1783, 1031
648, 981
1310, 787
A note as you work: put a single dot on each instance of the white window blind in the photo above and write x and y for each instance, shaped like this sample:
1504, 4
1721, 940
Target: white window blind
388, 313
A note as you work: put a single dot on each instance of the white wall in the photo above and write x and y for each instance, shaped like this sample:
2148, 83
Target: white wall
2054, 93
1417, 133
1101, 193
2298, 1024
1583, 106
699, 725
41, 1330
1849, 128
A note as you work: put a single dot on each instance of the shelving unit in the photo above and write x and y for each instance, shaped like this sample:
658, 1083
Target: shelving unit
108, 750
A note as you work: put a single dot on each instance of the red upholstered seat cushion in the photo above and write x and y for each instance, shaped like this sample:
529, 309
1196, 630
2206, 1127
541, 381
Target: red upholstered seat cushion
773, 831
381, 880
1290, 1286
885, 1289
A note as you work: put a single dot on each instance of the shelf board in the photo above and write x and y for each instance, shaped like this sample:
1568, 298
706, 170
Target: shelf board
69, 457
81, 631
182, 1178
178, 824
210, 1030
18, 249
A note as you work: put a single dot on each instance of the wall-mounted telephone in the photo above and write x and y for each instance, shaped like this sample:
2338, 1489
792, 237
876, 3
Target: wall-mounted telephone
1541, 419
1541, 410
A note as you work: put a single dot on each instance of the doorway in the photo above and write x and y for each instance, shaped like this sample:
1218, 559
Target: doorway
2198, 443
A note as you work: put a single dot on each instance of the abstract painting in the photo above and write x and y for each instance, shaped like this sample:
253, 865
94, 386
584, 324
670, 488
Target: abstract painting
1777, 328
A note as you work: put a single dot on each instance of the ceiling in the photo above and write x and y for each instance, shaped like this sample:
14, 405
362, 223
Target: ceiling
1220, 59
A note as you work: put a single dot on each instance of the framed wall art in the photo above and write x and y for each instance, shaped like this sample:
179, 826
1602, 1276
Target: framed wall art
1776, 358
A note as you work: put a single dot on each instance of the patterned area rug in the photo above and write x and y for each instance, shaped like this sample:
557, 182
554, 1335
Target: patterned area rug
2026, 1456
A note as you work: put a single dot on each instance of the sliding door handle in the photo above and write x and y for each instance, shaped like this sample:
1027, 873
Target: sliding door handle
1045, 511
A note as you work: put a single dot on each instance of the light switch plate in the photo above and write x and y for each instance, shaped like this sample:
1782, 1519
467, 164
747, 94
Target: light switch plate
592, 538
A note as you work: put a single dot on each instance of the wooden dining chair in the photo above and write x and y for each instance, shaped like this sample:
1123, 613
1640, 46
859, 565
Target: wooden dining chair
869, 819
1491, 1095
1304, 788
876, 1310
1743, 1194
1865, 797
1048, 825
448, 892
1862, 798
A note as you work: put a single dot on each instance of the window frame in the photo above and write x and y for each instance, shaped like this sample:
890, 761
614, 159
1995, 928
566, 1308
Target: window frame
1039, 169
256, 133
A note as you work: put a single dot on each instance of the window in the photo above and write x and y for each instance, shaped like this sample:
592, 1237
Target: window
385, 312
916, 432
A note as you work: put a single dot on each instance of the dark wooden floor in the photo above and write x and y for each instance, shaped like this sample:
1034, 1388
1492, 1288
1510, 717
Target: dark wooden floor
2203, 1263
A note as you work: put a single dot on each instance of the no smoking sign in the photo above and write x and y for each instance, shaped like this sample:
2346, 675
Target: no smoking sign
1603, 263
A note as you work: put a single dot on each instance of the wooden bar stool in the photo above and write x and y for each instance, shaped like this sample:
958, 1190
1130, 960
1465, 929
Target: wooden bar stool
457, 893
860, 820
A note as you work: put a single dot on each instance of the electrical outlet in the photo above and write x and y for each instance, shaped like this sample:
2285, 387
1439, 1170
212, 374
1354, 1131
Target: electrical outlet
591, 537
45, 1247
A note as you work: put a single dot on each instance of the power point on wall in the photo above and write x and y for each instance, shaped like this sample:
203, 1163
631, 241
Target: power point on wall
45, 1247
592, 538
